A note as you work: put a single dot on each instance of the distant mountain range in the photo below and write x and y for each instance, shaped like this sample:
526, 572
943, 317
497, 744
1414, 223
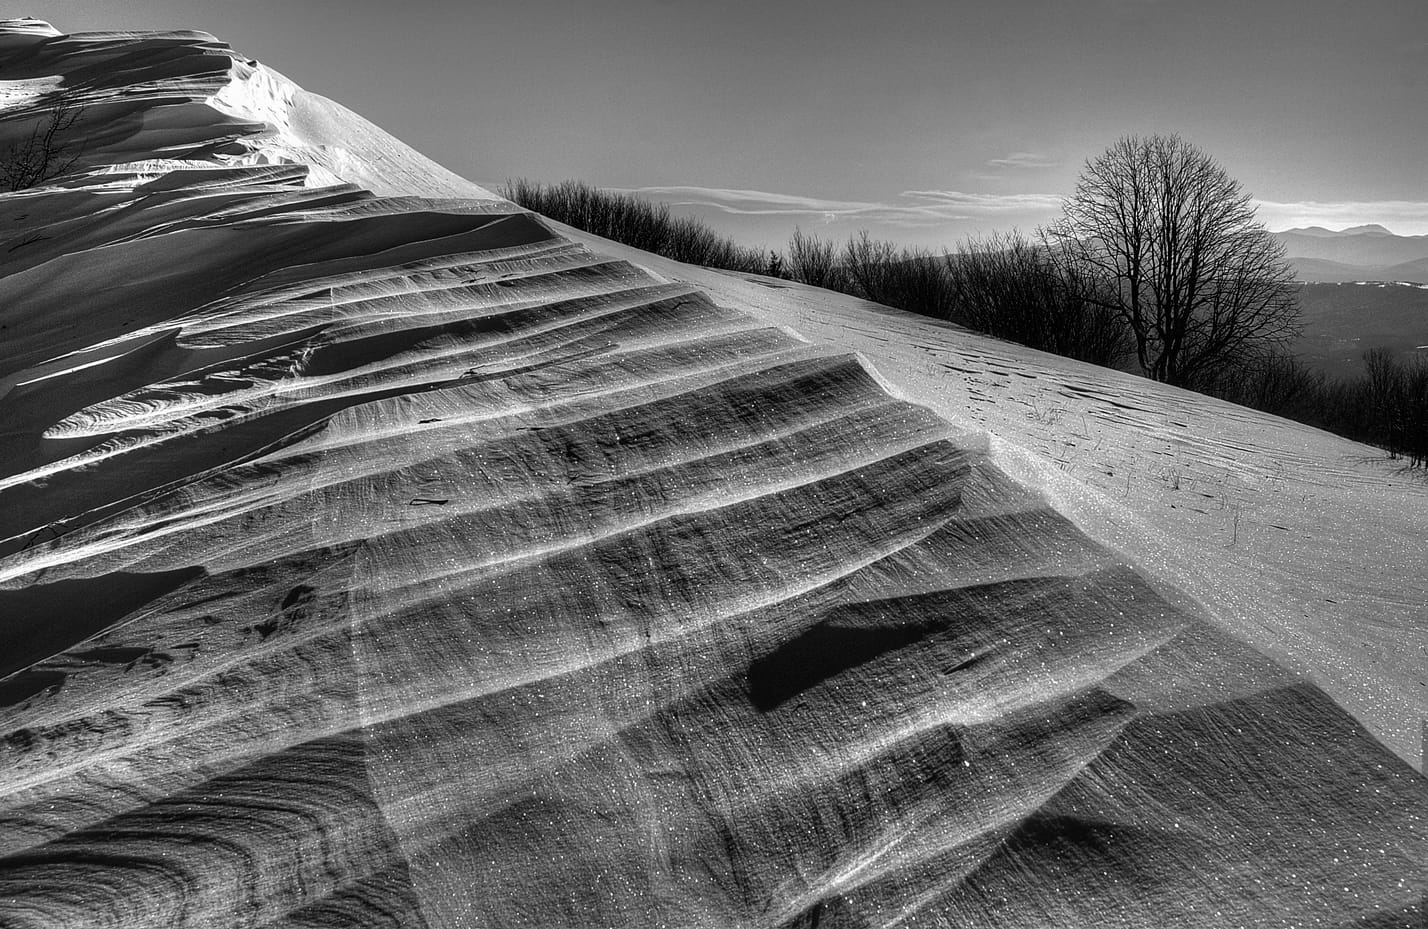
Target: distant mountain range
1360, 253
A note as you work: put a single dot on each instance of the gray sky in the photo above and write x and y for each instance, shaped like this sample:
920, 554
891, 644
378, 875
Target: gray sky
923, 121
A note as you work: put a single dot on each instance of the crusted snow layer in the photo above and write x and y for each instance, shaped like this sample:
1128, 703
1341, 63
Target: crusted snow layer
372, 554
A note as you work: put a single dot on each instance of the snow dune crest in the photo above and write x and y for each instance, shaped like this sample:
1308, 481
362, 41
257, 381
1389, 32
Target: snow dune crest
373, 553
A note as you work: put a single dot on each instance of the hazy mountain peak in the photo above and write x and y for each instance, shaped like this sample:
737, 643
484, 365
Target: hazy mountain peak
1358, 253
1321, 232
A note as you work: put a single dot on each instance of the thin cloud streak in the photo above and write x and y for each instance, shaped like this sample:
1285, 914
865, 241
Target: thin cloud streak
1030, 160
932, 208
912, 208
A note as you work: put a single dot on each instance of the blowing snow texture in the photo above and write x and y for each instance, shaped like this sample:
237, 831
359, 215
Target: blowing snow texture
388, 561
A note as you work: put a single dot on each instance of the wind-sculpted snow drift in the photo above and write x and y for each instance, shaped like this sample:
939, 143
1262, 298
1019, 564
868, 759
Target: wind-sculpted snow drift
392, 560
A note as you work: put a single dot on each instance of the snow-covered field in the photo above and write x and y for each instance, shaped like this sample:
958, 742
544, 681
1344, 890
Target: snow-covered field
375, 553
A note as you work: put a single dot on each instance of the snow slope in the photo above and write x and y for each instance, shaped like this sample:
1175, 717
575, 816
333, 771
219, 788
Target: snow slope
374, 553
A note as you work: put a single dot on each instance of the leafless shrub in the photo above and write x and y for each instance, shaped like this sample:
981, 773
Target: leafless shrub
1008, 285
635, 221
49, 150
869, 267
1386, 406
812, 260
1397, 402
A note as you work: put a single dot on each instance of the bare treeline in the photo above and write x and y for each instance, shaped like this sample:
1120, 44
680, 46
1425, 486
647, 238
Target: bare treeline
635, 221
1386, 406
1396, 394
1006, 285
1017, 288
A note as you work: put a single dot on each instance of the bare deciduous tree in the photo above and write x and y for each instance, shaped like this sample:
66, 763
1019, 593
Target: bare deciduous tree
48, 151
1173, 242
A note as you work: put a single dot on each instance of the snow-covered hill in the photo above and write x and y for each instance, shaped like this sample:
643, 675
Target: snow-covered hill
373, 552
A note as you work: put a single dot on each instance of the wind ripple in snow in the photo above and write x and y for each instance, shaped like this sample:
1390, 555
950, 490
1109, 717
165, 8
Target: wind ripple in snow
394, 561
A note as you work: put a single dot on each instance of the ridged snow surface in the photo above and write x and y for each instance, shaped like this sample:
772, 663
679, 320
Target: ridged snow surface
373, 555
